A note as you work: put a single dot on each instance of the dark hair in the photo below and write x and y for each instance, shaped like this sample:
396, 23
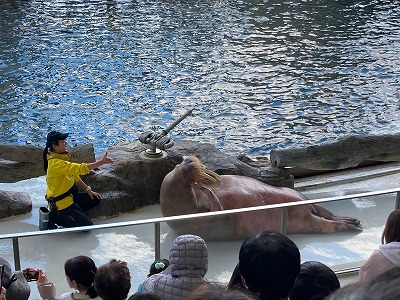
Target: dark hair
82, 270
269, 263
391, 232
158, 266
236, 279
113, 280
53, 137
215, 292
314, 282
45, 162
385, 286
144, 296
45, 152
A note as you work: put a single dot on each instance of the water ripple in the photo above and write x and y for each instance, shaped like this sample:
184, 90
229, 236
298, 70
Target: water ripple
287, 74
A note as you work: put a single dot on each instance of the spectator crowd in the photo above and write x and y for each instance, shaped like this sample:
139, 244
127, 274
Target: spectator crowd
268, 268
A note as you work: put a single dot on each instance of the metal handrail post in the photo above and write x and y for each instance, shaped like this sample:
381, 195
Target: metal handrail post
397, 200
284, 215
17, 259
157, 241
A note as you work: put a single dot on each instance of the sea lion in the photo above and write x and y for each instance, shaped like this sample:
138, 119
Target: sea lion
192, 188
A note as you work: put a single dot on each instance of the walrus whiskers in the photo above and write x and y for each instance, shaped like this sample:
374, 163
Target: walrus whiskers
201, 174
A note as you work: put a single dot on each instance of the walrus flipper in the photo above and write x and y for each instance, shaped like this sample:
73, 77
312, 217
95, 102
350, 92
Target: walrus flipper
209, 203
338, 223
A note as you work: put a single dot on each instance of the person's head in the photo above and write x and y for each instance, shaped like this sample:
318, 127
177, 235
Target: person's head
7, 273
314, 282
56, 143
14, 282
113, 280
80, 272
188, 256
391, 232
144, 296
385, 286
213, 292
158, 266
269, 263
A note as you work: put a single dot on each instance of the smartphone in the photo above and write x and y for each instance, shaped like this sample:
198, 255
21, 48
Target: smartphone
31, 274
1, 276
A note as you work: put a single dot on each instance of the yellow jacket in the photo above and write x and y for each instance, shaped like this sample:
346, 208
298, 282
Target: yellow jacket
61, 176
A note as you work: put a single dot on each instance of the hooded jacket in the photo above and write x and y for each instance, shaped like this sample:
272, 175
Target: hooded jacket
380, 261
188, 260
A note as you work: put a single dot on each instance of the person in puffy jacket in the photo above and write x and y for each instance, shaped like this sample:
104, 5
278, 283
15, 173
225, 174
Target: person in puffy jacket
387, 256
188, 265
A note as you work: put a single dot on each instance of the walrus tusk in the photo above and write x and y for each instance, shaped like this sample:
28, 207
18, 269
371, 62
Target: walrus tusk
213, 177
213, 174
213, 203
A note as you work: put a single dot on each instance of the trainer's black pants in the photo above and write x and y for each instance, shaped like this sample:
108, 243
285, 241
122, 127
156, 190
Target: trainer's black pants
76, 214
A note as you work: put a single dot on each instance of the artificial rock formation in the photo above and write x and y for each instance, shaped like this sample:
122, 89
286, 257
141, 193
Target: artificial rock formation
20, 162
134, 180
14, 203
348, 152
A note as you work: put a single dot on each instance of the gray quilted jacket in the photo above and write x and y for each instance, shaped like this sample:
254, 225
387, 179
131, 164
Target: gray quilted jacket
188, 264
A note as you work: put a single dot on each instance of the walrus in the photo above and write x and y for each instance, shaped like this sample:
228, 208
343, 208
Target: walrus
192, 188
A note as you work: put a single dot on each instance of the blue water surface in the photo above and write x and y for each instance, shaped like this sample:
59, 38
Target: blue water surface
260, 75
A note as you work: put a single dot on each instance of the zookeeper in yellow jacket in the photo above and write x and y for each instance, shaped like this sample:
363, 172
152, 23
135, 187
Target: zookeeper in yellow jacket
68, 206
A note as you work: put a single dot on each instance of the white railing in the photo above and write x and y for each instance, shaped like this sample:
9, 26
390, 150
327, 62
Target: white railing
156, 221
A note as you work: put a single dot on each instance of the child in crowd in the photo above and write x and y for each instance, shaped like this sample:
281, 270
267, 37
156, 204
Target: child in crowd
156, 267
315, 281
113, 280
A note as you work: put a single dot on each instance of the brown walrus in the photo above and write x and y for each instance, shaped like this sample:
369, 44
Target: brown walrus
192, 188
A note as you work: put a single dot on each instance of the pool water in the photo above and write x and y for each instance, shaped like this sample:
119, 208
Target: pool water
260, 74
